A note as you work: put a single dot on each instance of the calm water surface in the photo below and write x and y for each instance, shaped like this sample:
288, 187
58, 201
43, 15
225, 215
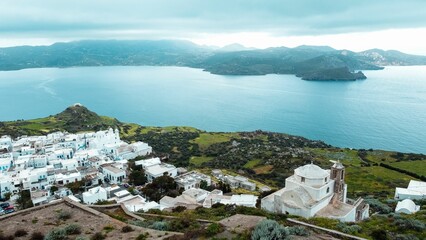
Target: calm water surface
386, 111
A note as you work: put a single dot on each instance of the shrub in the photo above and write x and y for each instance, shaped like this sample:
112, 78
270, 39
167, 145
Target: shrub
64, 215
298, 231
405, 237
20, 233
349, 229
56, 234
214, 229
379, 234
378, 206
98, 236
108, 228
160, 225
126, 229
408, 224
72, 229
4, 237
142, 236
179, 209
37, 236
269, 230
80, 238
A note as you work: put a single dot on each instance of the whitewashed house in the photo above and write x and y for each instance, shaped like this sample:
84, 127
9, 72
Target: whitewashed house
415, 190
94, 195
407, 206
113, 174
159, 170
192, 180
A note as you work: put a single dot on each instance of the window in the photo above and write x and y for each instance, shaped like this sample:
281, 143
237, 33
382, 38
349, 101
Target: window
328, 189
303, 179
325, 180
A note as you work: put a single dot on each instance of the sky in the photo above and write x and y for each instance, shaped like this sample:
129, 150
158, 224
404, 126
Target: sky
343, 24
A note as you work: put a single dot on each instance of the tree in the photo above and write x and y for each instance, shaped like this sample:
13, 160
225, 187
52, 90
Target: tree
203, 184
24, 199
160, 187
137, 177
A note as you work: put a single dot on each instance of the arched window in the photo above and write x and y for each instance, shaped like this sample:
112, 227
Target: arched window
328, 189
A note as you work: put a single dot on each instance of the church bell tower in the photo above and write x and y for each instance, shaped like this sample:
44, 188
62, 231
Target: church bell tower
338, 175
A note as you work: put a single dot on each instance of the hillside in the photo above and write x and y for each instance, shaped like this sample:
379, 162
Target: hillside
265, 156
75, 118
307, 62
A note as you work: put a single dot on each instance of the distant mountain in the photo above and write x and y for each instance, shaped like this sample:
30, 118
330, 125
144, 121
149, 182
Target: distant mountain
235, 47
307, 62
391, 58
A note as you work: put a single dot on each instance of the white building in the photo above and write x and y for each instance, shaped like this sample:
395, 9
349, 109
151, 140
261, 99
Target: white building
159, 170
138, 203
407, 206
148, 162
113, 174
415, 190
192, 180
94, 195
314, 191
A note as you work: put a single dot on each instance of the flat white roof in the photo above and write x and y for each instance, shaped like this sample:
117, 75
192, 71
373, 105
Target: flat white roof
159, 169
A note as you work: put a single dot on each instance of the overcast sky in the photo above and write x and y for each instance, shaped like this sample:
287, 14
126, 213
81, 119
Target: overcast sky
343, 24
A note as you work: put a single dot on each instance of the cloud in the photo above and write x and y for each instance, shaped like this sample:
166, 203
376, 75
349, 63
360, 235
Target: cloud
82, 19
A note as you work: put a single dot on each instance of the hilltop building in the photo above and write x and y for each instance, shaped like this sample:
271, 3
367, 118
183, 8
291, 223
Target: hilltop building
313, 191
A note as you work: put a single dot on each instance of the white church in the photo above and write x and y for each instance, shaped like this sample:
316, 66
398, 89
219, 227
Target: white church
313, 191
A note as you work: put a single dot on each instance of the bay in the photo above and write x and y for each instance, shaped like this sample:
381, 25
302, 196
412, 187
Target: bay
386, 111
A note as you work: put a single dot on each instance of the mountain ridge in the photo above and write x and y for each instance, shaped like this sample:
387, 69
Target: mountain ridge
304, 61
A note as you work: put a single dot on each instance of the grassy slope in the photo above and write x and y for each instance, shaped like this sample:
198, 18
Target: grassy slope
360, 178
257, 154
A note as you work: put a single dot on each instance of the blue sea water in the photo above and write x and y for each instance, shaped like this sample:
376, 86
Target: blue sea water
386, 111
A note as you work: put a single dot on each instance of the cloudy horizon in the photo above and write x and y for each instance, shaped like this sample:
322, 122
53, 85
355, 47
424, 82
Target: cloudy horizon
353, 25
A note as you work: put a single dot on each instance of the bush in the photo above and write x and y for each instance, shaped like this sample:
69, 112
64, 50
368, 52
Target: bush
64, 215
405, 237
20, 233
269, 230
298, 231
379, 234
37, 236
160, 226
349, 229
214, 229
98, 236
126, 229
378, 206
179, 209
56, 234
72, 229
4, 237
80, 238
408, 224
142, 236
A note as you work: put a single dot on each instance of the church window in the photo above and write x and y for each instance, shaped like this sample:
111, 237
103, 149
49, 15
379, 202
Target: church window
325, 180
303, 179
343, 175
328, 189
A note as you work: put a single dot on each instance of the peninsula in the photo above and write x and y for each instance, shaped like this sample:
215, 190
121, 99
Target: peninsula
306, 62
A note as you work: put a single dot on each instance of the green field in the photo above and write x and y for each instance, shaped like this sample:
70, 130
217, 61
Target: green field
374, 179
207, 139
418, 167
252, 163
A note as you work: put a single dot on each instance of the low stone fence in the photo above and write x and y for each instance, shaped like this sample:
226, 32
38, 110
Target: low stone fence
330, 231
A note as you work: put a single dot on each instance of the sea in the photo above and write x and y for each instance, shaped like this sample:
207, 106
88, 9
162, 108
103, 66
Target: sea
386, 111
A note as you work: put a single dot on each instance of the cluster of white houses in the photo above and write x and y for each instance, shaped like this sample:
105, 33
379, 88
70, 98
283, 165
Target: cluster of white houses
39, 162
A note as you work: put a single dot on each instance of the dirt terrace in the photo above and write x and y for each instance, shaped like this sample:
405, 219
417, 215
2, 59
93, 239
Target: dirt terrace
45, 218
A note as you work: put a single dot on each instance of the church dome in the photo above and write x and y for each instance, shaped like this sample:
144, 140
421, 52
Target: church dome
311, 171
